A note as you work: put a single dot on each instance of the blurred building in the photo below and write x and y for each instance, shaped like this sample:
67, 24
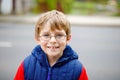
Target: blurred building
15, 6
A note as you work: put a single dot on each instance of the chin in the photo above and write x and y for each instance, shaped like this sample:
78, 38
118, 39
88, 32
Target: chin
54, 54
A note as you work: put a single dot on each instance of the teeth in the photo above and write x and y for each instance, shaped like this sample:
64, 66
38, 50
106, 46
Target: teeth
52, 47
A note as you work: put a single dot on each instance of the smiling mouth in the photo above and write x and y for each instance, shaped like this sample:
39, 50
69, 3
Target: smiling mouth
53, 47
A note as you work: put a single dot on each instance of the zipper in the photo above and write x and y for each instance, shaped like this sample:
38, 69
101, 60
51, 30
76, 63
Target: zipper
49, 74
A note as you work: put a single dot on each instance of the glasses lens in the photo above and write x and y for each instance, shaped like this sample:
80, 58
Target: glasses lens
45, 37
60, 37
57, 37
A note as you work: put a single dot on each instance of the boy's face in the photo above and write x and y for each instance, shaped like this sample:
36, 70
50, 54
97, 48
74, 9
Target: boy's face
53, 42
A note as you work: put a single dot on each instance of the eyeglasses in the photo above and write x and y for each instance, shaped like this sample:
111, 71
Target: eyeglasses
58, 37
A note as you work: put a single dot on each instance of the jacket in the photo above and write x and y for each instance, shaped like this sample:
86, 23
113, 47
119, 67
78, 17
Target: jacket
36, 67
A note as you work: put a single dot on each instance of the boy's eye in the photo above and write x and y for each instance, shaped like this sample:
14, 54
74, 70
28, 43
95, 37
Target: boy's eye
59, 34
46, 35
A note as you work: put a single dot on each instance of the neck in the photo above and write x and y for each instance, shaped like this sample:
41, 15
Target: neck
53, 59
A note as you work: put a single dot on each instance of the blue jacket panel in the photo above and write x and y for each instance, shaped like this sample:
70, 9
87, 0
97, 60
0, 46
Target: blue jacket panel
36, 66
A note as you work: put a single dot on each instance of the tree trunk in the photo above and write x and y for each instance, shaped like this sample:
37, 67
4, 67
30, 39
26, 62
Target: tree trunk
0, 6
13, 6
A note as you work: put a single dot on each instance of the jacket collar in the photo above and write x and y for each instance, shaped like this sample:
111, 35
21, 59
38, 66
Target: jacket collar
68, 55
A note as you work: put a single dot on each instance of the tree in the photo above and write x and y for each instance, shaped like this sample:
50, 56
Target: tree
100, 1
0, 6
13, 6
118, 7
45, 5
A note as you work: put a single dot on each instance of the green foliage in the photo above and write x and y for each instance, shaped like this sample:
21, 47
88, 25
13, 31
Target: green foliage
118, 3
51, 4
118, 8
104, 2
83, 7
67, 5
39, 1
45, 5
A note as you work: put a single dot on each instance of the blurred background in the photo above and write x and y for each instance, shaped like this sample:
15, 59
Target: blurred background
77, 7
95, 26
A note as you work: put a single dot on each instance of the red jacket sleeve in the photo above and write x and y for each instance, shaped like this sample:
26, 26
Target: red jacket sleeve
83, 75
20, 73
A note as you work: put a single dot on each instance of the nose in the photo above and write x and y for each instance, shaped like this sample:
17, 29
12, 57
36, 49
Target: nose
52, 39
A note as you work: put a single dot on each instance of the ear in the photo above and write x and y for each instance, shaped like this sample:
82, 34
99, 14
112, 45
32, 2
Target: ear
68, 38
37, 40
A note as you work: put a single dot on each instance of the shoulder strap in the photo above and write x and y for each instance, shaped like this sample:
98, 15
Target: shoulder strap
77, 70
29, 67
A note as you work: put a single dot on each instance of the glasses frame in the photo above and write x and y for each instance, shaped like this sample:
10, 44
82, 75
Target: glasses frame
58, 38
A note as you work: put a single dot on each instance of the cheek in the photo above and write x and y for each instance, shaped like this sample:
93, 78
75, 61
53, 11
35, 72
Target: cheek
43, 43
63, 43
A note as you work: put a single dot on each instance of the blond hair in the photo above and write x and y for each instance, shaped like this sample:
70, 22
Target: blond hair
56, 19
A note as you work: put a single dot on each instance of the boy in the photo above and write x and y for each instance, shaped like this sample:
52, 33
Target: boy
52, 59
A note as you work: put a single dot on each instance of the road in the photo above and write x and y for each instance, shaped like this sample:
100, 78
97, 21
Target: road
98, 49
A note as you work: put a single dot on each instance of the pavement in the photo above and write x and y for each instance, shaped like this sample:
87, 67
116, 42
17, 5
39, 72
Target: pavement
74, 20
